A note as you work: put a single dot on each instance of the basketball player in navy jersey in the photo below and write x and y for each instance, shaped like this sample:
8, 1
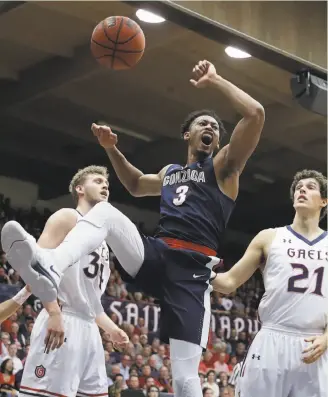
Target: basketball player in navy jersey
176, 265
289, 357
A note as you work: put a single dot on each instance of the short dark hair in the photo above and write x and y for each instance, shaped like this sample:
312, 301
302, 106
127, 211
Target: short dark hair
204, 112
319, 177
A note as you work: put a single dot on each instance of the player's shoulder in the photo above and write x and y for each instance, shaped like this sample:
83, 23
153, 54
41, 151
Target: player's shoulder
71, 212
65, 215
265, 237
267, 234
164, 170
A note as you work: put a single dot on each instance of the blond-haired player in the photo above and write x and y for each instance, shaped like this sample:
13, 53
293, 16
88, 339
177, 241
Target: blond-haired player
78, 367
288, 357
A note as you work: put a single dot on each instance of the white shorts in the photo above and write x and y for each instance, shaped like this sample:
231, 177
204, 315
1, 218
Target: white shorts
273, 368
76, 369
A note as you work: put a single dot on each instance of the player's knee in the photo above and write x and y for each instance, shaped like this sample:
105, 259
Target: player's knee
187, 386
99, 215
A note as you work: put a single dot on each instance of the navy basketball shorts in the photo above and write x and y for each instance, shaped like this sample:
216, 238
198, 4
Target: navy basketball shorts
179, 279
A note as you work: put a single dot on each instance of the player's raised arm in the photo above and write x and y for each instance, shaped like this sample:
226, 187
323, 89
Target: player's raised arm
9, 307
136, 182
247, 133
229, 281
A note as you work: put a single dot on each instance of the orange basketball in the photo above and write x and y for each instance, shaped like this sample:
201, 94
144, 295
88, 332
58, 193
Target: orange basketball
118, 43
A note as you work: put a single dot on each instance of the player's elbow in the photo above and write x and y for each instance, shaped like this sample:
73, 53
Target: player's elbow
257, 113
135, 191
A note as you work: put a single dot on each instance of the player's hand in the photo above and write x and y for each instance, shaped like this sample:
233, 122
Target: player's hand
55, 332
105, 136
28, 288
203, 74
319, 345
119, 338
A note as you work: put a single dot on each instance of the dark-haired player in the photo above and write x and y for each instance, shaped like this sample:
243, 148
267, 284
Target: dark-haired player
289, 357
197, 201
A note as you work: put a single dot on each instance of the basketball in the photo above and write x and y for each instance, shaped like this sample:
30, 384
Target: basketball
118, 43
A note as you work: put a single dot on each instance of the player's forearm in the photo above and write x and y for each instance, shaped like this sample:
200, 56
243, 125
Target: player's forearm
52, 307
105, 323
126, 172
10, 306
243, 103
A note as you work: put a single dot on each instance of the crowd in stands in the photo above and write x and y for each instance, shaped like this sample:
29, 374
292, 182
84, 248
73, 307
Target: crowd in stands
145, 364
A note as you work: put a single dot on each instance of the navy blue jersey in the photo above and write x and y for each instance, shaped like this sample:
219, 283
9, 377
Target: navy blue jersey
193, 208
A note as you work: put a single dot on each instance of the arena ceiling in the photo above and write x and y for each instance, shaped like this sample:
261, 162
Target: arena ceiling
51, 90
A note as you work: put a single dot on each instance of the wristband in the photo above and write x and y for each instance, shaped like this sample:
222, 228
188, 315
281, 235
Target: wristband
21, 296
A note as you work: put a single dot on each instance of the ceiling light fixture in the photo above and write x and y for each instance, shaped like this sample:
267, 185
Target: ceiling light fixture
263, 178
147, 16
234, 52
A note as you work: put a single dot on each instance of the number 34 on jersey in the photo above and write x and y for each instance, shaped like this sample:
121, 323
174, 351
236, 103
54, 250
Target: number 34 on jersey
99, 263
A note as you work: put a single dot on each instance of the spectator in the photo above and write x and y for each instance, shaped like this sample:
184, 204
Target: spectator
108, 363
125, 366
139, 362
159, 357
240, 351
206, 363
144, 340
207, 392
225, 392
154, 346
221, 365
7, 378
4, 279
12, 354
115, 370
153, 391
223, 379
146, 373
211, 383
146, 352
134, 383
164, 381
150, 381
15, 337
152, 364
4, 345
117, 386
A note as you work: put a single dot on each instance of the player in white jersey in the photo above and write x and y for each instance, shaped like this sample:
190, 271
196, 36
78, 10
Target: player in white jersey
288, 357
78, 367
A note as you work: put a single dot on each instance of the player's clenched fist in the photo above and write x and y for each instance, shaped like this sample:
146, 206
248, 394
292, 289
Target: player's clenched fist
119, 338
105, 135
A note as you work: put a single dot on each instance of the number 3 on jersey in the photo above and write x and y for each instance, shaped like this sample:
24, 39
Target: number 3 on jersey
182, 195
92, 270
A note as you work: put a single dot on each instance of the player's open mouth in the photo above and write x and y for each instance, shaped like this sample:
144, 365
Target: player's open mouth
207, 138
302, 198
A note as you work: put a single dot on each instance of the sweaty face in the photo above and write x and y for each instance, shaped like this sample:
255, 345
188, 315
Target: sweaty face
307, 196
94, 189
203, 136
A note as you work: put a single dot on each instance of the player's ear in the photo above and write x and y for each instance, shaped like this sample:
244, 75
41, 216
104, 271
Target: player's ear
186, 136
324, 202
79, 189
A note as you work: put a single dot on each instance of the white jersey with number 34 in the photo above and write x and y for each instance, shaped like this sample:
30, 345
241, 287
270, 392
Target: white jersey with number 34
296, 282
83, 283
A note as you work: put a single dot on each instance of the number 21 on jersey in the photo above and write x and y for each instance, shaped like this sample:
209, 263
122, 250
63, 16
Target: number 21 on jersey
181, 195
